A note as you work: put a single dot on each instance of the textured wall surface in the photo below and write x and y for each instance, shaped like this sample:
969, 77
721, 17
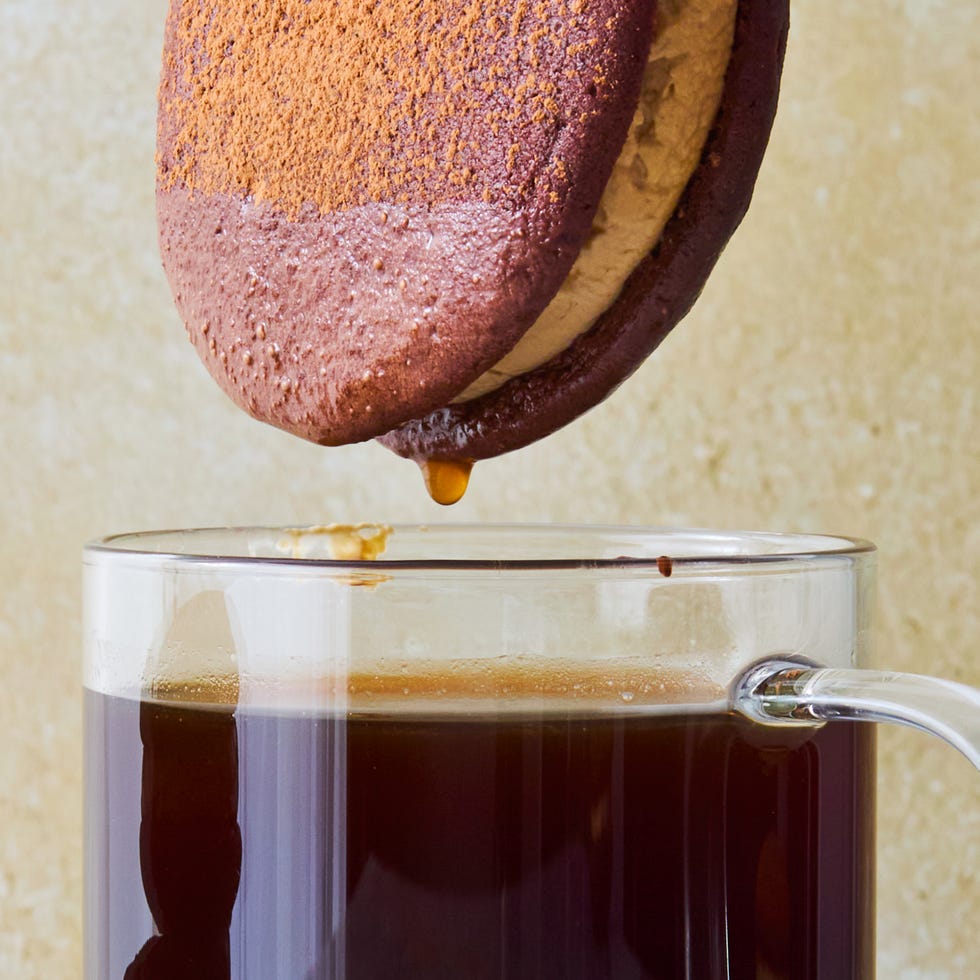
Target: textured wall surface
826, 381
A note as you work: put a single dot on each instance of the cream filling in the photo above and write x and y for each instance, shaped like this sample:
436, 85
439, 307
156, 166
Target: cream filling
682, 87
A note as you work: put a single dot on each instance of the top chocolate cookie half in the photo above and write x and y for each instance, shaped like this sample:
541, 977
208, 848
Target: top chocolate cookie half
364, 206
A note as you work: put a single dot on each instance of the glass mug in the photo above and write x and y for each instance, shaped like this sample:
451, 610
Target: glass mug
491, 752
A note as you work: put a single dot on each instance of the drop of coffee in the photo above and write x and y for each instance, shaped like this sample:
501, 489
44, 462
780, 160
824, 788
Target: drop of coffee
446, 479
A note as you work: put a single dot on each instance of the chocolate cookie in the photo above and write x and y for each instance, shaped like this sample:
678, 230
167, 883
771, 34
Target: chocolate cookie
363, 207
658, 293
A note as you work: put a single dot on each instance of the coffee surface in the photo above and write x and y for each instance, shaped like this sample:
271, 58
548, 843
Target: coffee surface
506, 684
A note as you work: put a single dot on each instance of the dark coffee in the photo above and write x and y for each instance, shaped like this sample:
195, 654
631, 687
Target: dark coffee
245, 844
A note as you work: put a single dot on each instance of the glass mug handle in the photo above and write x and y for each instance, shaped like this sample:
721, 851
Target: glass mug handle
777, 692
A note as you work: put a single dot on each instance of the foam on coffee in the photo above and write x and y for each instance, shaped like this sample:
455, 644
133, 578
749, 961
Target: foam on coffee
506, 685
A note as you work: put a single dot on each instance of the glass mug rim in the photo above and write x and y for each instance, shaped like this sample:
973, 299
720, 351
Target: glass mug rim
528, 547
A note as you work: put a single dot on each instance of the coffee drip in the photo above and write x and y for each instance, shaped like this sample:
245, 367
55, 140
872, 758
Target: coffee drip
446, 479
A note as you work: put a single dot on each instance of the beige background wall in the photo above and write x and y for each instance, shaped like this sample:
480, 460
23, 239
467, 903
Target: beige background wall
826, 381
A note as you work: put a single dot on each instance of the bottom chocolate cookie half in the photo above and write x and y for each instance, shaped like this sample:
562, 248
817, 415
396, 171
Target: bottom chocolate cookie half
661, 290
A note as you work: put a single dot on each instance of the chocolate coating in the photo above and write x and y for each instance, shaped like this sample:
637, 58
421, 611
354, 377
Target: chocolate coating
339, 325
661, 290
